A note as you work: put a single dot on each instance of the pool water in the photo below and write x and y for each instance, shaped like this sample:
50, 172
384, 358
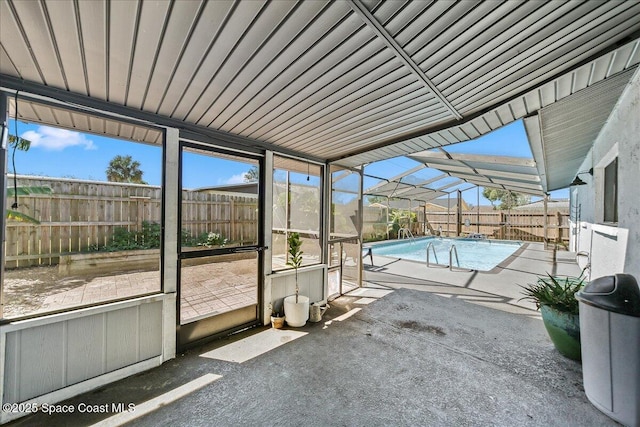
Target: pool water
474, 254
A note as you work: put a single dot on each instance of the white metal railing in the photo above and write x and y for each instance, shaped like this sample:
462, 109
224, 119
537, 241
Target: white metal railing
435, 254
405, 233
453, 250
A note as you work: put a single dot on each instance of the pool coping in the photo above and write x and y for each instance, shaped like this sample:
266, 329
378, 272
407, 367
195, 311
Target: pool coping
495, 270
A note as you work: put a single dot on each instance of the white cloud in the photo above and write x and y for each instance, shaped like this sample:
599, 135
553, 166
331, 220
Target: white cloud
53, 139
235, 179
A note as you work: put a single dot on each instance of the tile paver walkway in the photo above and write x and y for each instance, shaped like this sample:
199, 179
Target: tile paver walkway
206, 289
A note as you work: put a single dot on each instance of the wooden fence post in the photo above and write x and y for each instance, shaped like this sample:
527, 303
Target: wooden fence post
559, 219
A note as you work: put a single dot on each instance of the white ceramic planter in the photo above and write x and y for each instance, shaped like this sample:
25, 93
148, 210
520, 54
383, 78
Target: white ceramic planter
296, 314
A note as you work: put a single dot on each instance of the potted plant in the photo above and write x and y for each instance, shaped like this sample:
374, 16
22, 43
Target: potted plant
277, 316
296, 307
555, 298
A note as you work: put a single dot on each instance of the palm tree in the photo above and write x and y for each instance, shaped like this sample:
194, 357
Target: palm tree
124, 169
252, 175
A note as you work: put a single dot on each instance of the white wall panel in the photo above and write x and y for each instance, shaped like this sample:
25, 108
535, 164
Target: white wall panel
150, 329
122, 338
85, 358
311, 283
49, 353
41, 364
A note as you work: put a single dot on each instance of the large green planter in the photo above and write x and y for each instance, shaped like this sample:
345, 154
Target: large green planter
564, 330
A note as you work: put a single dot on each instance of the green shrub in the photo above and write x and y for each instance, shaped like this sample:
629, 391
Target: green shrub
555, 292
211, 239
150, 236
124, 240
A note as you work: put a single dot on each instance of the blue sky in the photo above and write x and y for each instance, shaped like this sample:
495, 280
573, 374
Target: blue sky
64, 153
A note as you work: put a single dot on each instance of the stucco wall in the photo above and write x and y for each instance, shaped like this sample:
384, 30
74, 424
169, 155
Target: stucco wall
613, 249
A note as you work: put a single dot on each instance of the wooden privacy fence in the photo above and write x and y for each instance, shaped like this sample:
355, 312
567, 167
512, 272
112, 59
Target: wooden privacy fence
78, 216
524, 225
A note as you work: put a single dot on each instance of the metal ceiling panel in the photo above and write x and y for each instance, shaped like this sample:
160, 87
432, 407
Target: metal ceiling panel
341, 87
325, 42
178, 29
190, 52
581, 78
91, 19
19, 59
150, 27
232, 28
120, 59
41, 45
341, 112
565, 41
453, 168
83, 122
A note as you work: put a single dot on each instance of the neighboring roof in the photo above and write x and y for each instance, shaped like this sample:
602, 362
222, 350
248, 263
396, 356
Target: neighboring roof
244, 187
451, 204
552, 205
404, 204
352, 81
397, 204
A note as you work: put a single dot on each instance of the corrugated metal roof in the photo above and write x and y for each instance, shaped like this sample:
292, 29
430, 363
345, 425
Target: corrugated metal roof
570, 127
354, 81
621, 61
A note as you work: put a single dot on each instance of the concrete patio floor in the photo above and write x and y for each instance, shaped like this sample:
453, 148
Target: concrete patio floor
377, 358
498, 288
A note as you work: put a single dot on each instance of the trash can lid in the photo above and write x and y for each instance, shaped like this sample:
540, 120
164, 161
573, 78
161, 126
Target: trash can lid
619, 293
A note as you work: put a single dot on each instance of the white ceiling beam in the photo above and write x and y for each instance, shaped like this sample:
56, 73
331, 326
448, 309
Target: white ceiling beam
509, 175
534, 136
450, 185
397, 177
434, 156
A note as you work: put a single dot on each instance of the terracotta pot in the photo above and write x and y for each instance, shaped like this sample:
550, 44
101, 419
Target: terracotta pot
277, 322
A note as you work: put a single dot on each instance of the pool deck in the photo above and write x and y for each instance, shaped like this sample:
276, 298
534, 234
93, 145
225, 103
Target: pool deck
403, 358
497, 288
434, 347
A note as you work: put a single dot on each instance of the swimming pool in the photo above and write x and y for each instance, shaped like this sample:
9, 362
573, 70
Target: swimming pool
474, 254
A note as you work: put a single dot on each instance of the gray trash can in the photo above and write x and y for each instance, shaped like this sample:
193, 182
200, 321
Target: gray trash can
610, 340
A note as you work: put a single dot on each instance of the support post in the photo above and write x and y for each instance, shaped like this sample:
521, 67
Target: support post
559, 235
545, 237
172, 198
448, 212
4, 135
478, 208
359, 224
424, 219
387, 218
459, 215
267, 237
